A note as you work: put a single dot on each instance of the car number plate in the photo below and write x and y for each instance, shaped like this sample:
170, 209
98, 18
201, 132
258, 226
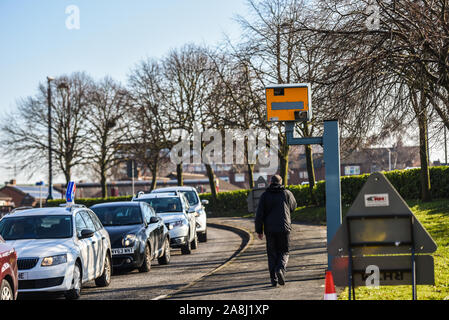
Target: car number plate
22, 275
122, 251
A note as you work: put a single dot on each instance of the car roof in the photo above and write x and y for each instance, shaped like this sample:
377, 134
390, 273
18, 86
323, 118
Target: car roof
158, 195
171, 189
116, 204
43, 212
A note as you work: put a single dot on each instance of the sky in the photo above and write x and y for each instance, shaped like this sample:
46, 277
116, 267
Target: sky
39, 38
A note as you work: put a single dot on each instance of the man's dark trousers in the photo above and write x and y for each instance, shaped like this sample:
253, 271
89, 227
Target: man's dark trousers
278, 253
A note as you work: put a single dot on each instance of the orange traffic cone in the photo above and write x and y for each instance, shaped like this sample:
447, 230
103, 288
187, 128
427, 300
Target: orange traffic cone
329, 292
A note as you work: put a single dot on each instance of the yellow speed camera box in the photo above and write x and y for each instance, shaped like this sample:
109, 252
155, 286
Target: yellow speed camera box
289, 102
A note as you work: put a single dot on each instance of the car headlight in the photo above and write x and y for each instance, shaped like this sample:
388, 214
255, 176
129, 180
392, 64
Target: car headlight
54, 260
129, 240
177, 223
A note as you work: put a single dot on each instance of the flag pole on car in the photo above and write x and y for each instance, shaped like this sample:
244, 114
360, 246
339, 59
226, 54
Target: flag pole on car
70, 193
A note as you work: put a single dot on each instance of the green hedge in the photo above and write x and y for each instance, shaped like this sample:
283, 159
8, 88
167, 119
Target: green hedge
228, 204
233, 203
406, 182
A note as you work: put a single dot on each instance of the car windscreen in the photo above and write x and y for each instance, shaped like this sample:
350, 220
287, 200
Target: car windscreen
166, 204
191, 197
118, 215
36, 227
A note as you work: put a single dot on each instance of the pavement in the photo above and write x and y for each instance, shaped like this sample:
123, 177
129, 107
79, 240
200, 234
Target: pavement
246, 277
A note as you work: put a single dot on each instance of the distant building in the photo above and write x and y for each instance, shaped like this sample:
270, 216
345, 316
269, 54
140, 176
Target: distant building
124, 187
366, 160
27, 195
6, 204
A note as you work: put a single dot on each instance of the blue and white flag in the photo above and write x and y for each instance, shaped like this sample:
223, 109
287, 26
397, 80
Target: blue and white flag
70, 193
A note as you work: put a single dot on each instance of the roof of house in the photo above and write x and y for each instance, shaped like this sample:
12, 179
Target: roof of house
35, 191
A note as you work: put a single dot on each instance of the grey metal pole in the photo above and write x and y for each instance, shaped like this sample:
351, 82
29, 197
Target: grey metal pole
331, 146
50, 175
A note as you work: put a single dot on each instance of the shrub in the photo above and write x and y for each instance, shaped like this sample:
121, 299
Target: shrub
227, 203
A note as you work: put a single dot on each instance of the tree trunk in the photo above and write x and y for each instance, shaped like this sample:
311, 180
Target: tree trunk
310, 172
213, 185
67, 171
283, 161
310, 166
251, 176
104, 187
179, 174
250, 167
154, 171
424, 156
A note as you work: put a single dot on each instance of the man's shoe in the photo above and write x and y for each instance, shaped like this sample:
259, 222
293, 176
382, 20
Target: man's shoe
274, 284
281, 277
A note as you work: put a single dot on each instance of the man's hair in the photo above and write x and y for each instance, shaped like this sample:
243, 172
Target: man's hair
276, 179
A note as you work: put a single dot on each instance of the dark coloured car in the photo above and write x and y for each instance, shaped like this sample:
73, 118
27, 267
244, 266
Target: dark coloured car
8, 272
137, 234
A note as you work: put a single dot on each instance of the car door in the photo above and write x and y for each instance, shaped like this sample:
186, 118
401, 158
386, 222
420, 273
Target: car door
190, 217
152, 228
85, 246
159, 228
102, 242
96, 261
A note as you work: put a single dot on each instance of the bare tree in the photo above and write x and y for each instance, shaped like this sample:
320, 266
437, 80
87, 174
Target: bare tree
148, 116
189, 82
25, 132
107, 128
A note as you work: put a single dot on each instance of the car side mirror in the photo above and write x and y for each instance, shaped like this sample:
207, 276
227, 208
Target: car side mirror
204, 202
86, 233
154, 220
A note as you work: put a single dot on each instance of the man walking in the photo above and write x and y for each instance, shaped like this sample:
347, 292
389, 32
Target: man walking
273, 219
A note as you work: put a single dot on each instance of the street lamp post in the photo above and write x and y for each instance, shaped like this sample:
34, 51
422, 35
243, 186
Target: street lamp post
50, 175
40, 184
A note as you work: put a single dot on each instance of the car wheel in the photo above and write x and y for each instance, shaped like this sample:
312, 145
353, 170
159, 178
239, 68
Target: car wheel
75, 292
105, 279
195, 242
165, 259
146, 265
186, 248
202, 237
6, 292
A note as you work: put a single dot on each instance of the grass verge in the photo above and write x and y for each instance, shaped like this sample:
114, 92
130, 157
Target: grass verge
434, 216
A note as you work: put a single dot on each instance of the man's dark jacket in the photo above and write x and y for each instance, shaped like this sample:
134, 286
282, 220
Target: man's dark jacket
273, 211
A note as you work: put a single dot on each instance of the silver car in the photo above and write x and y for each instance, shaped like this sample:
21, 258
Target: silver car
59, 249
175, 211
196, 206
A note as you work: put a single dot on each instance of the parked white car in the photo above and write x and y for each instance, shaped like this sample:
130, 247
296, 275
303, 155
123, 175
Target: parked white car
173, 208
58, 249
195, 206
